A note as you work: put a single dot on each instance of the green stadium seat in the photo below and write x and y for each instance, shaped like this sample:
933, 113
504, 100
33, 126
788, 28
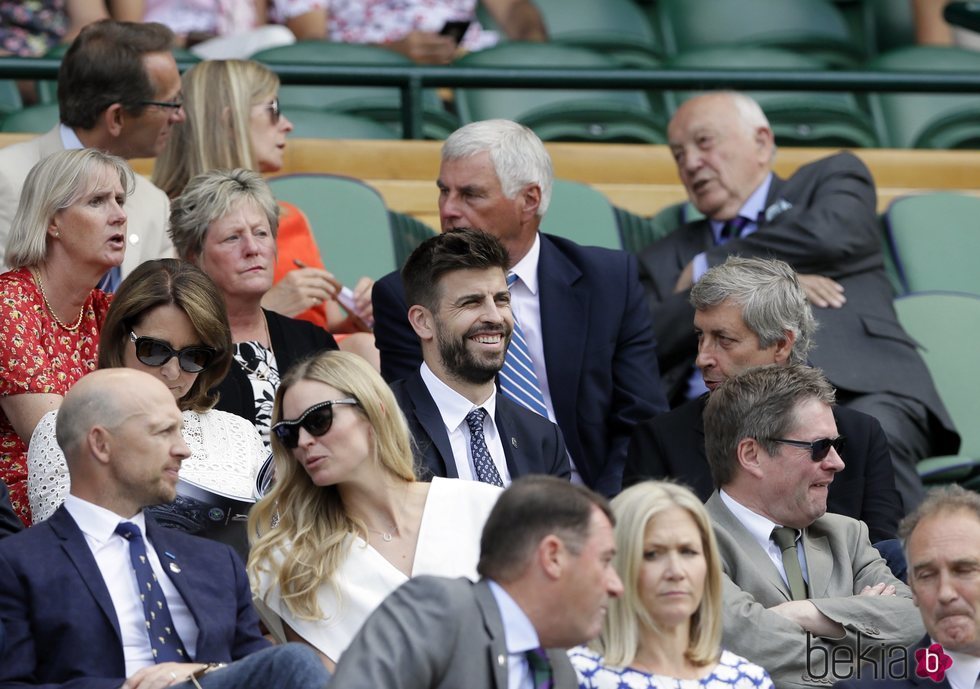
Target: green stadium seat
35, 119
616, 28
947, 325
557, 114
798, 118
814, 27
379, 103
639, 232
583, 214
407, 233
935, 241
928, 120
10, 100
349, 222
320, 124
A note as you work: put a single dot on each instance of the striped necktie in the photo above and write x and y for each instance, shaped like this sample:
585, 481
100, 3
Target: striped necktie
518, 381
540, 666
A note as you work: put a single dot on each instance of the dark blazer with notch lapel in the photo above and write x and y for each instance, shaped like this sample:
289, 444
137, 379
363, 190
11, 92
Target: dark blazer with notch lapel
10, 523
62, 628
463, 643
830, 228
840, 563
532, 443
909, 681
672, 446
598, 349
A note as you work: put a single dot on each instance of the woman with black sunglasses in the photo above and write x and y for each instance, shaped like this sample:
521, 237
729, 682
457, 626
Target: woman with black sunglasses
168, 319
234, 121
351, 522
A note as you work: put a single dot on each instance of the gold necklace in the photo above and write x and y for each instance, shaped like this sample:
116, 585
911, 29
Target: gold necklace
40, 285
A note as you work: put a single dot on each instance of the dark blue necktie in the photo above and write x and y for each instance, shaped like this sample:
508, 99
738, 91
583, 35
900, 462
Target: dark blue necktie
537, 660
486, 470
733, 228
164, 640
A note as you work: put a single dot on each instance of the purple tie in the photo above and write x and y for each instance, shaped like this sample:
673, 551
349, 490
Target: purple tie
733, 228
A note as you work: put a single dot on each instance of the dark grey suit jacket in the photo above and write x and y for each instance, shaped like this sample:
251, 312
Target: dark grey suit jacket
830, 228
532, 443
436, 633
840, 563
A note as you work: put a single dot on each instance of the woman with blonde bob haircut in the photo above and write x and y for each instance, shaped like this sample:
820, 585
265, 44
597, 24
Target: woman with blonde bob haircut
234, 121
346, 522
666, 627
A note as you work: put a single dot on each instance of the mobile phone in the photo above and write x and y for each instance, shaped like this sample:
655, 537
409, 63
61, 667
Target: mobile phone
455, 29
346, 299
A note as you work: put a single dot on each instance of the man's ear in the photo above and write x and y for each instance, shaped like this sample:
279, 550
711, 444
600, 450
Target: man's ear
531, 196
784, 347
552, 556
765, 142
114, 118
749, 453
99, 443
422, 322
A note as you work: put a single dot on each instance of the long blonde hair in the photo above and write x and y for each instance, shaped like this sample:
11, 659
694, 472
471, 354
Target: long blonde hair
218, 99
627, 617
309, 542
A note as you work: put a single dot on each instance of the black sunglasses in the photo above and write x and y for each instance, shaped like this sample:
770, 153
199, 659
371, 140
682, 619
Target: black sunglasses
274, 111
819, 449
153, 352
316, 420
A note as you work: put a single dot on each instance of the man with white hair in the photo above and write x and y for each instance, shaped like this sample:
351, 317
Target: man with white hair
822, 221
586, 357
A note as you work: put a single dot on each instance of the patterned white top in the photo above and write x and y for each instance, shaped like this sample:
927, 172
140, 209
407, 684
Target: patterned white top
731, 672
220, 17
259, 364
226, 455
381, 21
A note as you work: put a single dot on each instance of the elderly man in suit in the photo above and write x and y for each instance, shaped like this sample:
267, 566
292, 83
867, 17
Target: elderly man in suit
587, 359
753, 312
456, 283
804, 581
822, 222
118, 91
942, 543
99, 596
547, 577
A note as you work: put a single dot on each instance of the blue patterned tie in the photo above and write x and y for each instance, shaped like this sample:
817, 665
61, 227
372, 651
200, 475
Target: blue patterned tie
164, 640
518, 381
486, 470
537, 660
733, 228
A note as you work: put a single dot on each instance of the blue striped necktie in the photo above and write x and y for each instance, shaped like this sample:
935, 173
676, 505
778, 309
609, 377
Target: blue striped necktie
518, 381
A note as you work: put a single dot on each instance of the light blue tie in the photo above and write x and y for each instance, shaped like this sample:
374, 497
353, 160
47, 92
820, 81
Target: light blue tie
518, 381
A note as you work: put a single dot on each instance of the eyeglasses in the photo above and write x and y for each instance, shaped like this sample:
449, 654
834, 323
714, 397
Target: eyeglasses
176, 103
153, 352
316, 420
274, 112
819, 449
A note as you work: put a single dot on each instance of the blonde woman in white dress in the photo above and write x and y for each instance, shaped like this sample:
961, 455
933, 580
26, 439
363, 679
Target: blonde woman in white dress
346, 522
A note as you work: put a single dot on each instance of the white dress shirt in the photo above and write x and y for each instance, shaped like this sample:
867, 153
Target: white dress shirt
520, 637
111, 552
453, 408
964, 673
761, 530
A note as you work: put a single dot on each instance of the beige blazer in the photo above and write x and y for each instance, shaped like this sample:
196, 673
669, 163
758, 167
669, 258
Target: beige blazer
840, 562
147, 208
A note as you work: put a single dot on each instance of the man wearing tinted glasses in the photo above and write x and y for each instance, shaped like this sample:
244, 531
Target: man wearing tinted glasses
754, 312
804, 583
118, 91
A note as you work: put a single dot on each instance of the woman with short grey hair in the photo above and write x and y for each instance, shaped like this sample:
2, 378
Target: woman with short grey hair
225, 222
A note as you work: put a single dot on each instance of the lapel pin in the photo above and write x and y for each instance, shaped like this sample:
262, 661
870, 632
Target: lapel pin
513, 441
501, 659
175, 568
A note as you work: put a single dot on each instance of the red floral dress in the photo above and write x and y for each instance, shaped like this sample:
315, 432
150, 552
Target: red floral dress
38, 356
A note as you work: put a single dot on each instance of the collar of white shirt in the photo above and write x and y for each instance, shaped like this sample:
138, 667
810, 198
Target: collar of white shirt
69, 139
760, 527
751, 209
453, 407
527, 268
964, 673
98, 523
